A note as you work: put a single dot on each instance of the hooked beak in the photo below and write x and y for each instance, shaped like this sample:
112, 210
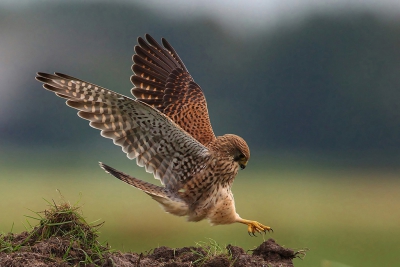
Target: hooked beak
242, 165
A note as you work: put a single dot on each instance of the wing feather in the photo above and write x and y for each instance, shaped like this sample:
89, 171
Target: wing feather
162, 81
145, 134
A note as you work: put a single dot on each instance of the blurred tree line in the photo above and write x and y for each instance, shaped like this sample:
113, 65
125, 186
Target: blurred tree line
329, 83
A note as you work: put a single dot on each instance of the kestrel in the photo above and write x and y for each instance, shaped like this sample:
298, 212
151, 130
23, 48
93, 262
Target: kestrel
167, 129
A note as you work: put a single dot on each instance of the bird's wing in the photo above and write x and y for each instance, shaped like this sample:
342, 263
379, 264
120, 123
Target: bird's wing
157, 143
162, 81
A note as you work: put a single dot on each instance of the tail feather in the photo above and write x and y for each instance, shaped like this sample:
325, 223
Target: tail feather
146, 187
168, 202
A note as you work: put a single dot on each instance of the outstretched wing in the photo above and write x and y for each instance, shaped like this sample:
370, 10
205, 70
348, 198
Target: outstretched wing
144, 133
162, 81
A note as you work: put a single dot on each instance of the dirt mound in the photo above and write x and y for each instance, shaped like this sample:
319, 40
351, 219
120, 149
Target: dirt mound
63, 238
53, 251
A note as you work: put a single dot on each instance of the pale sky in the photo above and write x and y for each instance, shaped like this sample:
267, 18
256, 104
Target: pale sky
259, 13
251, 14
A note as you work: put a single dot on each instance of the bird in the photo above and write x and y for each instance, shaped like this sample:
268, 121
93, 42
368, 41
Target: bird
166, 128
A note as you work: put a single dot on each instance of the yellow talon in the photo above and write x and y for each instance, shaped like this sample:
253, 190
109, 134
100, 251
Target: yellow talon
253, 226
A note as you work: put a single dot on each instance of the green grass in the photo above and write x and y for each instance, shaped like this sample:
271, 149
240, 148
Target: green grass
347, 216
212, 249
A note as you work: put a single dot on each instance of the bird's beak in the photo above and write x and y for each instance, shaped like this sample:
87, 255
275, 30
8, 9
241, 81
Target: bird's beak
242, 164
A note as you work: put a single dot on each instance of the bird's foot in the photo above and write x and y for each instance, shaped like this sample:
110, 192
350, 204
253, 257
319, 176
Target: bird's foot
254, 227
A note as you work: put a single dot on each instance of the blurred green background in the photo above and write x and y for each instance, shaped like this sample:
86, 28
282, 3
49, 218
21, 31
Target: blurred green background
313, 87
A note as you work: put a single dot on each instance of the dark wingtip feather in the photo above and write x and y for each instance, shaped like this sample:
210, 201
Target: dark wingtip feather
50, 87
141, 41
173, 52
41, 75
166, 44
65, 76
42, 79
150, 39
60, 74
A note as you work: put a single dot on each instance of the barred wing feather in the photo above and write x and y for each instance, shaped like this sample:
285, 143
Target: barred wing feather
144, 133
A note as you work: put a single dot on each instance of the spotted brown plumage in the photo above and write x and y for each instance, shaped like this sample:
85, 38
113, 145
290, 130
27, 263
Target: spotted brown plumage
166, 128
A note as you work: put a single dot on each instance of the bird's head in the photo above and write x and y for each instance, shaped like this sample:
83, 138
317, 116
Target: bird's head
239, 149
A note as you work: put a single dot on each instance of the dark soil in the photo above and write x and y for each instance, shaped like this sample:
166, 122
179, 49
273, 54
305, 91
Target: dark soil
51, 252
64, 239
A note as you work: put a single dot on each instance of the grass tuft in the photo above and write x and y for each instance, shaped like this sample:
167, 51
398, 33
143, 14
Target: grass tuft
212, 249
62, 232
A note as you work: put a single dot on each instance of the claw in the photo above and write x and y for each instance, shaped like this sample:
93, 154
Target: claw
254, 227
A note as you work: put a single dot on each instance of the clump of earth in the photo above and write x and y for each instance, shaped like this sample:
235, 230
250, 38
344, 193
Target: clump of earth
63, 238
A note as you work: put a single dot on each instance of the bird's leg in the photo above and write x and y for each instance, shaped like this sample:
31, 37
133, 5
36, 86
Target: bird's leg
253, 226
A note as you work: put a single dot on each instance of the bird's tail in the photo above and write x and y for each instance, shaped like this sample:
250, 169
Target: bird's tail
168, 202
146, 187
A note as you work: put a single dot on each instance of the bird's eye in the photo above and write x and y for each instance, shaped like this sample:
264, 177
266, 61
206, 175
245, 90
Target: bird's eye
240, 157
